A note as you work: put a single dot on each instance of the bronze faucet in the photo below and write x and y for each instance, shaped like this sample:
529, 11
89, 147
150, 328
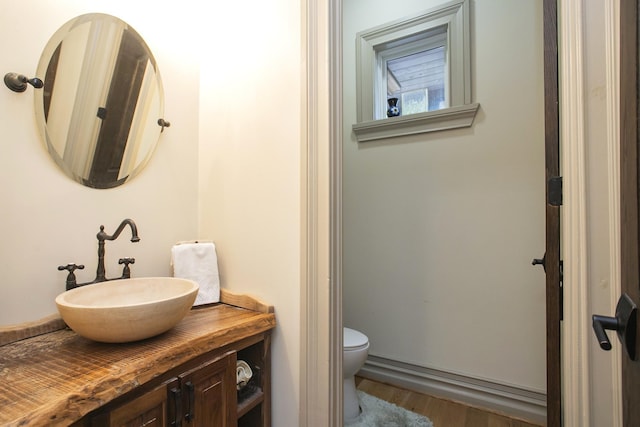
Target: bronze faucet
102, 236
100, 272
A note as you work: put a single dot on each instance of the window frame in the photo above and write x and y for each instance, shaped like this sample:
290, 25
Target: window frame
373, 45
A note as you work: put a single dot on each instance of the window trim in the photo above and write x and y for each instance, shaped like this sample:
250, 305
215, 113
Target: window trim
460, 113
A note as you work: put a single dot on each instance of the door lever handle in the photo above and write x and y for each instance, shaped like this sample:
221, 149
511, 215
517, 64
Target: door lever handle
600, 323
624, 323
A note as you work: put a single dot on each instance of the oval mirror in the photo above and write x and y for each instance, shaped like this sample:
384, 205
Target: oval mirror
102, 98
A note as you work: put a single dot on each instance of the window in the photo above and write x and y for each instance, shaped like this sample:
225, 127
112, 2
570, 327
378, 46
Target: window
421, 65
415, 74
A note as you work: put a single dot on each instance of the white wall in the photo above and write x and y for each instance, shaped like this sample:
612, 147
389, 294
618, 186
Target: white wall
227, 169
440, 229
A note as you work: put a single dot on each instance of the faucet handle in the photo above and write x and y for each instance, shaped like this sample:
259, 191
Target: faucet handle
126, 271
71, 277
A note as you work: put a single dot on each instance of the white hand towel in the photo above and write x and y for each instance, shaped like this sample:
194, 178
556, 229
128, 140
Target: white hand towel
198, 262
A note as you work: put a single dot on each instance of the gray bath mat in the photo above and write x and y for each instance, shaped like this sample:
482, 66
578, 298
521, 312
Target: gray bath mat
379, 413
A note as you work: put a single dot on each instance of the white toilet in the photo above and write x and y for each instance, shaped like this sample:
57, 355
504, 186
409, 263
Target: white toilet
356, 348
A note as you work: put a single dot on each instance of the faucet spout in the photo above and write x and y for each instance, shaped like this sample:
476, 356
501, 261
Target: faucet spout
102, 236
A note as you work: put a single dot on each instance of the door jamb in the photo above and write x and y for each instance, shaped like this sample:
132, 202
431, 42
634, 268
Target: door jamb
575, 360
576, 333
612, 83
321, 291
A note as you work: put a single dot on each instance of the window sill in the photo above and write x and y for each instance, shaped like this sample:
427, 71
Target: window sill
432, 121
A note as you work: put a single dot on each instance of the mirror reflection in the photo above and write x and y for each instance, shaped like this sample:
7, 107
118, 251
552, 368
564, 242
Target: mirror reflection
98, 112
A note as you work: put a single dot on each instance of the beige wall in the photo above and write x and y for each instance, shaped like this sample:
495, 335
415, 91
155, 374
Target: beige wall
250, 159
50, 220
227, 169
440, 229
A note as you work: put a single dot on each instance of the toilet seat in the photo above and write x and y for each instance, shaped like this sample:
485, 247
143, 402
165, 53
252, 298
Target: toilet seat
354, 340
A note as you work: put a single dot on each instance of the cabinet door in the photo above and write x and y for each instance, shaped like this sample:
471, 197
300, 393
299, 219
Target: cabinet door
152, 409
209, 394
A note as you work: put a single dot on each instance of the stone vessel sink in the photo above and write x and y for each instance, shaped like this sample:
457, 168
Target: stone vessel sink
127, 310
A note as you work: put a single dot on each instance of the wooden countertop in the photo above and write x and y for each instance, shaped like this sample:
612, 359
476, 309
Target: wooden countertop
58, 377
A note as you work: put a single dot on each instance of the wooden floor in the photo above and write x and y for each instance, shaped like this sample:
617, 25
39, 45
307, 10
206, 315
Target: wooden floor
442, 412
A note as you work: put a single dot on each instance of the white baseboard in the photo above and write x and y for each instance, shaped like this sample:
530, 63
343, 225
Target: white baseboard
510, 400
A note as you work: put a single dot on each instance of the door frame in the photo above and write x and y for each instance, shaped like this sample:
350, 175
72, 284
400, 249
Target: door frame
575, 376
321, 290
577, 336
629, 218
321, 249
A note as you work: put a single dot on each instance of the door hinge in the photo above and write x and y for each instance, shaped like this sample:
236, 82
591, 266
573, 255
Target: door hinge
554, 191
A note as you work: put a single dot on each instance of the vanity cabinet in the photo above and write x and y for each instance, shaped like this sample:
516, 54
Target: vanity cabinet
185, 377
254, 399
203, 396
150, 409
202, 393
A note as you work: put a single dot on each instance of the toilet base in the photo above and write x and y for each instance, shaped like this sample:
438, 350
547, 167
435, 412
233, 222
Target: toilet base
351, 401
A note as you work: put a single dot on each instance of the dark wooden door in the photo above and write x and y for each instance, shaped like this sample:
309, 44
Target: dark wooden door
629, 221
552, 261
